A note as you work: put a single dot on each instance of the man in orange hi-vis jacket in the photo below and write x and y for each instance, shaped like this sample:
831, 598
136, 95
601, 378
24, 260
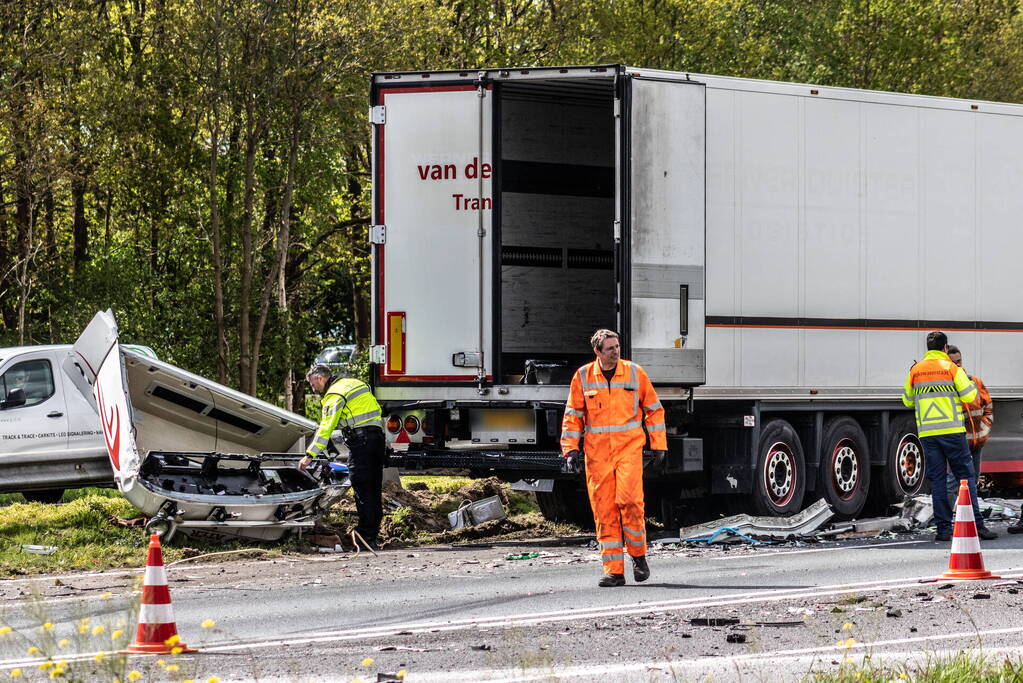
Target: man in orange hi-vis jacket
612, 407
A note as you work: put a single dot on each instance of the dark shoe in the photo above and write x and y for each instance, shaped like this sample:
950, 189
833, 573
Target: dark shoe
1016, 528
612, 580
943, 536
986, 533
640, 569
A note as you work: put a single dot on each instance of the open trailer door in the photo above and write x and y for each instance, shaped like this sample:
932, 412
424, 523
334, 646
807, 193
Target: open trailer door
665, 205
431, 234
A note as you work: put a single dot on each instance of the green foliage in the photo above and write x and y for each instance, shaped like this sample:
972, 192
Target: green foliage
961, 667
154, 155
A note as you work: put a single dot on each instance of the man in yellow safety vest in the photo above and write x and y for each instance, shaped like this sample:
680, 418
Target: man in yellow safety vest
349, 405
938, 389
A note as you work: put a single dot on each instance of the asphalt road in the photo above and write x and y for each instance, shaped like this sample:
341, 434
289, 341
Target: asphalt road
470, 614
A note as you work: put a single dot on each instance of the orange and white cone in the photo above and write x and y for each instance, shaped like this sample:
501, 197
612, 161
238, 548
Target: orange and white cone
156, 615
965, 563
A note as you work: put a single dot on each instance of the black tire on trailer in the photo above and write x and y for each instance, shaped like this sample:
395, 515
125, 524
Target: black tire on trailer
45, 496
780, 476
568, 502
904, 473
844, 471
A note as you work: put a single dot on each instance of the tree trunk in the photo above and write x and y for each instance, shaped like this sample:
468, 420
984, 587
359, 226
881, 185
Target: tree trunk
275, 276
246, 377
79, 226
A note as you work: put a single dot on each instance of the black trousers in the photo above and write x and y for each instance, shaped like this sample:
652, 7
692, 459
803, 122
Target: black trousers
366, 471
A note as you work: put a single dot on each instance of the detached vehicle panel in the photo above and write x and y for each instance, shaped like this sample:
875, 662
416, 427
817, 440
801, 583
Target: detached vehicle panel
195, 455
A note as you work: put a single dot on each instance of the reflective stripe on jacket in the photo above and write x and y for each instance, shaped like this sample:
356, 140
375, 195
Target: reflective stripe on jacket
626, 405
938, 388
348, 403
980, 415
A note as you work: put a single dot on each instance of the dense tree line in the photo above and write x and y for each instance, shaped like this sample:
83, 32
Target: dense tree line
201, 166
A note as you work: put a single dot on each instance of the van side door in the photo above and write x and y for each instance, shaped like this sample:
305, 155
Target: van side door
39, 425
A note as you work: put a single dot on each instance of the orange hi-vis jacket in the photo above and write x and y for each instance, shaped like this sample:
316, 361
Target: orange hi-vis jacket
938, 388
980, 415
612, 415
609, 418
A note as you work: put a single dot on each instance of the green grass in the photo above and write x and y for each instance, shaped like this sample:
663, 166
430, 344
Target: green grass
963, 667
69, 495
87, 538
437, 484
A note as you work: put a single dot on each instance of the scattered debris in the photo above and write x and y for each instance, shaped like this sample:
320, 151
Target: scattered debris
982, 596
918, 511
880, 524
471, 513
484, 647
735, 638
402, 648
810, 519
522, 556
714, 621
894, 613
725, 535
39, 549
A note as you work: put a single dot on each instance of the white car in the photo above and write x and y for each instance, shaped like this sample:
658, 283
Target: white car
50, 435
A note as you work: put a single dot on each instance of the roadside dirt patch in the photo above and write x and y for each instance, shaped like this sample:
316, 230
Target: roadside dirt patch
418, 516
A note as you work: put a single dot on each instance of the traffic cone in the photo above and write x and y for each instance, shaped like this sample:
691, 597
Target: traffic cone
965, 563
156, 616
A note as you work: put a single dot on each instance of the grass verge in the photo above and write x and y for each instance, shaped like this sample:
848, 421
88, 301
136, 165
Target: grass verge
962, 667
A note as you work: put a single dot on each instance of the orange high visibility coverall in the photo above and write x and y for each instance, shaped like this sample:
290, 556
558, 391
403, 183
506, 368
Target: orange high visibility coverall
609, 418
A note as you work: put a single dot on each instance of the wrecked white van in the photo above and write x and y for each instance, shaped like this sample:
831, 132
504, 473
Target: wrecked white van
194, 455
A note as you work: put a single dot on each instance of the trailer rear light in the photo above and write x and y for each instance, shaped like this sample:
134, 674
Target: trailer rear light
394, 424
411, 424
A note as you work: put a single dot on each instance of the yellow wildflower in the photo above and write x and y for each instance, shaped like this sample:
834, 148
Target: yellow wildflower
32, 650
15, 673
367, 661
96, 630
856, 675
209, 623
177, 650
847, 626
172, 667
100, 656
47, 626
107, 595
212, 679
161, 663
4, 630
64, 643
56, 673
134, 675
401, 673
173, 640
903, 676
850, 642
45, 665
117, 634
188, 680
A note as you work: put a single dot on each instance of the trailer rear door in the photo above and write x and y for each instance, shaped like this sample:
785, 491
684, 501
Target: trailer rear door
665, 157
431, 233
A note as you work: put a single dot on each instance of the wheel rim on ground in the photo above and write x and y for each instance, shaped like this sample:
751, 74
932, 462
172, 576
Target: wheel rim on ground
779, 474
909, 463
845, 469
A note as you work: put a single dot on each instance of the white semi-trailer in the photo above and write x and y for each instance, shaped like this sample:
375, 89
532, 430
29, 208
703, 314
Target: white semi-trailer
773, 254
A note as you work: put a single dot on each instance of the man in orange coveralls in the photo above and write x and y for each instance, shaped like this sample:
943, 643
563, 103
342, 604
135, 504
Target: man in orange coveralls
610, 402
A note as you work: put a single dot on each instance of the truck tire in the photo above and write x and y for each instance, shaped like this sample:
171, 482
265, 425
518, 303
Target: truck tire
844, 472
568, 502
780, 478
46, 496
904, 473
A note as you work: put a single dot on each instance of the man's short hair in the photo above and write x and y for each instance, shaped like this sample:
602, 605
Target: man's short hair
598, 338
318, 370
954, 349
936, 341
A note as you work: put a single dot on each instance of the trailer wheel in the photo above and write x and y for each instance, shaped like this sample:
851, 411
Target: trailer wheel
46, 496
568, 502
781, 471
904, 472
844, 472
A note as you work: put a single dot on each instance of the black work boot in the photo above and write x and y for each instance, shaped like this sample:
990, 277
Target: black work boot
612, 580
640, 569
986, 534
1016, 528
